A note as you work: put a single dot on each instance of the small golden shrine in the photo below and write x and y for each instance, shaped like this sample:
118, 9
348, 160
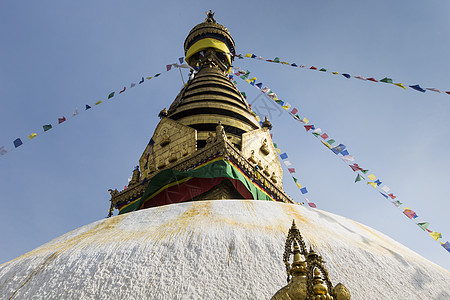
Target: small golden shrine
209, 144
307, 276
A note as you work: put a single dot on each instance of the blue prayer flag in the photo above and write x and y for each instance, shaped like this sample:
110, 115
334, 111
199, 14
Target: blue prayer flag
378, 182
283, 155
417, 88
344, 153
303, 190
294, 65
253, 56
346, 75
259, 85
181, 60
142, 80
384, 195
17, 142
338, 149
87, 107
446, 246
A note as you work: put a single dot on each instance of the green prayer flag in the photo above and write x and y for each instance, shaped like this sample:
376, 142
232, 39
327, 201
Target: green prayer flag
387, 80
276, 59
331, 141
111, 95
323, 70
423, 225
359, 178
245, 76
47, 127
243, 94
316, 134
157, 75
275, 145
365, 171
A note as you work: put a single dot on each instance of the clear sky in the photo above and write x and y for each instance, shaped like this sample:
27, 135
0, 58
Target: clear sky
56, 56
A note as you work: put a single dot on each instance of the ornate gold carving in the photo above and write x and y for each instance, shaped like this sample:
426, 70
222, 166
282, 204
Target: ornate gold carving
264, 148
306, 277
173, 157
252, 157
161, 163
274, 177
165, 138
266, 171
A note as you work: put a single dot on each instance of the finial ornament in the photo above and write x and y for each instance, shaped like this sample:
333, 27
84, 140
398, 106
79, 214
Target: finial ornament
307, 276
210, 17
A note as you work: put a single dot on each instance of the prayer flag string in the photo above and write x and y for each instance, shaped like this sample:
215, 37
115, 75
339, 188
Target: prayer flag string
19, 142
388, 80
342, 152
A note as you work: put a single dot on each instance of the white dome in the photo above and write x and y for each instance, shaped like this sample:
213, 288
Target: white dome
227, 249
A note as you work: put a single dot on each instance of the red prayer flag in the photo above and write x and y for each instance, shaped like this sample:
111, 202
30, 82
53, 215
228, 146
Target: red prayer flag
324, 136
313, 68
60, 120
308, 127
294, 111
392, 196
169, 67
372, 79
269, 60
312, 205
355, 167
291, 170
448, 93
410, 213
124, 88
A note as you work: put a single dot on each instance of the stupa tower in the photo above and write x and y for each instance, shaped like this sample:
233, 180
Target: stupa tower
209, 144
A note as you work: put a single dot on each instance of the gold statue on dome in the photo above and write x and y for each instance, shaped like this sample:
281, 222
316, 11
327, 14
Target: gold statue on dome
265, 147
306, 275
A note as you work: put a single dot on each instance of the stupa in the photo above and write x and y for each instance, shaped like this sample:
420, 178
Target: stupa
205, 217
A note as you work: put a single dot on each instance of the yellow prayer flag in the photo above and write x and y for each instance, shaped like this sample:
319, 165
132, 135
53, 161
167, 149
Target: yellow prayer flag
257, 118
371, 177
326, 144
400, 85
148, 78
435, 235
98, 102
32, 136
286, 107
334, 72
248, 55
298, 185
305, 120
278, 150
285, 63
373, 184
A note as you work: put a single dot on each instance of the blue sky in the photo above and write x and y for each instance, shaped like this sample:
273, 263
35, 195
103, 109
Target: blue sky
60, 55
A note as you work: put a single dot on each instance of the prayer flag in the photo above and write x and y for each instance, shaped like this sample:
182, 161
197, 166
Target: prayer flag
318, 131
371, 177
265, 89
331, 141
98, 102
3, 150
372, 184
434, 90
378, 182
142, 80
287, 163
410, 213
303, 190
294, 111
311, 204
447, 92
386, 80
359, 77
392, 196
278, 150
313, 68
181, 60
148, 78
259, 85
253, 56
32, 136
283, 156
323, 70
372, 79
168, 67
111, 95
435, 235
365, 171
386, 189
308, 127
17, 142
344, 153
260, 58
355, 167
75, 112
47, 127
384, 195
324, 136
294, 65
87, 107
338, 149
335, 73
446, 246
299, 185
286, 106
326, 144
276, 59
400, 85
248, 55
423, 225
397, 203
124, 89
305, 121
417, 88
132, 85
60, 120
358, 178
348, 158
346, 75
291, 170
295, 179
